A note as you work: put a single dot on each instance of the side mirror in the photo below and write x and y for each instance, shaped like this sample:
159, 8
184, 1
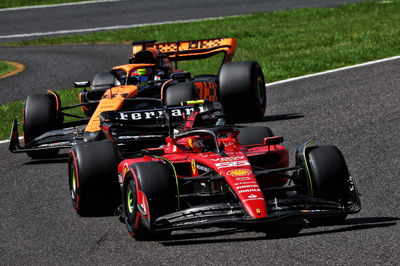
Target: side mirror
82, 84
182, 76
273, 140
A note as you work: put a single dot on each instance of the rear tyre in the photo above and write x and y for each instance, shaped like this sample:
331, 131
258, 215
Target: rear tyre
157, 191
329, 179
40, 115
254, 135
242, 91
177, 93
103, 81
93, 179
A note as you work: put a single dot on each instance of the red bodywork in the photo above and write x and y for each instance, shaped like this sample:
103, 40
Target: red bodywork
233, 162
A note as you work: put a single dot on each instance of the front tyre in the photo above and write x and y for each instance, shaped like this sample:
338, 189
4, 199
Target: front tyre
242, 91
329, 179
40, 116
93, 181
149, 192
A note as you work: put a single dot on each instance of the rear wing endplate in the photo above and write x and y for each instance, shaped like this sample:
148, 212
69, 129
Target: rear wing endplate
191, 50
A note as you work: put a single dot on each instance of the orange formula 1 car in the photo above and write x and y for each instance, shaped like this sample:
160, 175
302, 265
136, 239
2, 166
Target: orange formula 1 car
150, 75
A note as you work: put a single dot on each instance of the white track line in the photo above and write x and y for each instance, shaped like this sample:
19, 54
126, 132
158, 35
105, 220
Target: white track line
57, 5
311, 75
332, 71
117, 27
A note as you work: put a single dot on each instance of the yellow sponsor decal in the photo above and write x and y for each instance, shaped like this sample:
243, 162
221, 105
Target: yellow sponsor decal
194, 169
239, 172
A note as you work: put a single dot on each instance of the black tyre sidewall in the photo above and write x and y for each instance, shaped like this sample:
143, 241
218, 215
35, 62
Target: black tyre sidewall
239, 85
130, 217
329, 173
103, 80
182, 91
254, 135
40, 115
95, 165
157, 182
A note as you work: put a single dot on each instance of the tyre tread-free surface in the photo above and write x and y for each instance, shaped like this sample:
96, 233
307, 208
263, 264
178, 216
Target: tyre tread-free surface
95, 165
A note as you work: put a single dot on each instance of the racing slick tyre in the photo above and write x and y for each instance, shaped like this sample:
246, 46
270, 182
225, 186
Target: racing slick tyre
254, 135
40, 115
242, 91
93, 179
329, 179
182, 91
103, 81
149, 192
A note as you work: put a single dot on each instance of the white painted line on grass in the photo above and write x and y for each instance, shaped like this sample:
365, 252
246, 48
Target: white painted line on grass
332, 71
311, 75
117, 27
7, 141
57, 5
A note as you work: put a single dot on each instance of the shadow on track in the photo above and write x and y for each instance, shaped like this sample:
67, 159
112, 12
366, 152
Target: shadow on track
270, 118
60, 158
351, 224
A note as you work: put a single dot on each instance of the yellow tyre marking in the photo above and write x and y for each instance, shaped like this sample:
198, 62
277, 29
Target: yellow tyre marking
18, 68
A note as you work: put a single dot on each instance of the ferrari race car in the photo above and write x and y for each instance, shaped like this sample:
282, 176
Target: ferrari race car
239, 86
211, 173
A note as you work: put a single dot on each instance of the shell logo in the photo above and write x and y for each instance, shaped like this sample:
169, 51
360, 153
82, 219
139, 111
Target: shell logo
239, 172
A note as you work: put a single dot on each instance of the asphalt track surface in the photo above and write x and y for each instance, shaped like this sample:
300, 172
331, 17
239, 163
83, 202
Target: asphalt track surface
57, 67
28, 21
356, 109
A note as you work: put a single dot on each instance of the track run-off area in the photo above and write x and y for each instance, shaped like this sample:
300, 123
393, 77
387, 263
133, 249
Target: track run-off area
356, 109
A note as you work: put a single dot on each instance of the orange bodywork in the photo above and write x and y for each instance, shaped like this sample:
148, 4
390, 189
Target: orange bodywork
187, 50
113, 99
207, 90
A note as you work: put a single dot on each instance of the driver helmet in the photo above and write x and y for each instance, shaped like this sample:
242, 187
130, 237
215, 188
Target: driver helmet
140, 76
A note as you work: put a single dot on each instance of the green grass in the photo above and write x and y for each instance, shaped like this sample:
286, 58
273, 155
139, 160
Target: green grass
18, 3
5, 68
14, 110
285, 43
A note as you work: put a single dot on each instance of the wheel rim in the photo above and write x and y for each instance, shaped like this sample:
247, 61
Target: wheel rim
130, 201
260, 91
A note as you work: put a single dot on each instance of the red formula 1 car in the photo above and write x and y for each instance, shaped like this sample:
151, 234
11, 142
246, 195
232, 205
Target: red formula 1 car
213, 175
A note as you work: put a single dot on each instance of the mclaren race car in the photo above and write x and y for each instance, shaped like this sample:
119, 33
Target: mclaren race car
209, 173
150, 75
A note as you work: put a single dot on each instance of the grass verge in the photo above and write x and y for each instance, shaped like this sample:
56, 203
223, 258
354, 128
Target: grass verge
286, 43
19, 3
10, 111
5, 68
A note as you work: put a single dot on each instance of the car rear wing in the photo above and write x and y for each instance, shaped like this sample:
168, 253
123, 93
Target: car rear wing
190, 50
